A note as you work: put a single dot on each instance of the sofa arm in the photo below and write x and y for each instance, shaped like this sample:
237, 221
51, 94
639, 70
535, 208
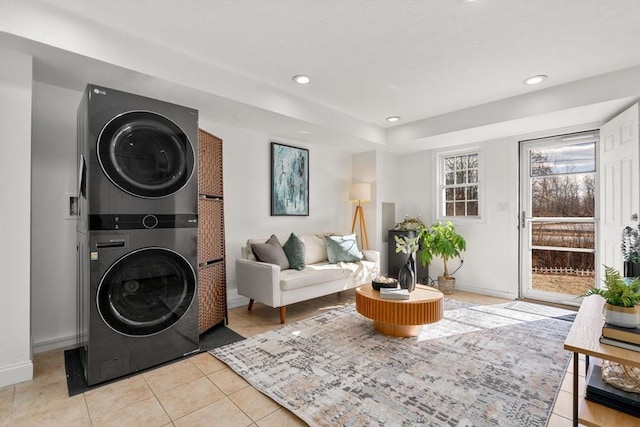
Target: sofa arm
259, 281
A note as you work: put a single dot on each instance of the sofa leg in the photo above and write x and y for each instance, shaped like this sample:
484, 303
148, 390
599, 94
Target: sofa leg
283, 314
250, 305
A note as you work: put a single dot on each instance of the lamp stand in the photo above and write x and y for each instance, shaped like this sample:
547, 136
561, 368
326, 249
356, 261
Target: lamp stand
363, 226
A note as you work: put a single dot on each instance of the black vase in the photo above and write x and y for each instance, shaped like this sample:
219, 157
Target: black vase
407, 275
631, 269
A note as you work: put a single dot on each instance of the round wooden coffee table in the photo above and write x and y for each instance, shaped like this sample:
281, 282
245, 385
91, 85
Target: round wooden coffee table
401, 318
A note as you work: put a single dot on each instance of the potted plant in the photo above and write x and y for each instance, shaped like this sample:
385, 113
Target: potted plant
442, 240
621, 297
410, 223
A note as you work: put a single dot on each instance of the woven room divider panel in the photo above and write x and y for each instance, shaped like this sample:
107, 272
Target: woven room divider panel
210, 154
212, 297
212, 282
210, 233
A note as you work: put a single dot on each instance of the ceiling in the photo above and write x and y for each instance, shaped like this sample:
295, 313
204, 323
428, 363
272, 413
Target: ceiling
425, 61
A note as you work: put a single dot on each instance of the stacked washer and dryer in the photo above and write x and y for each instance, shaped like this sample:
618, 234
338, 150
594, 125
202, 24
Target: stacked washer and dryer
137, 232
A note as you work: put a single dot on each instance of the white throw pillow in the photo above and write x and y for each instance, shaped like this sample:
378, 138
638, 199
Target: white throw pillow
315, 249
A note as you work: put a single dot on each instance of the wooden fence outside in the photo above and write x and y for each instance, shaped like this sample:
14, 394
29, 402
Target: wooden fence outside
568, 271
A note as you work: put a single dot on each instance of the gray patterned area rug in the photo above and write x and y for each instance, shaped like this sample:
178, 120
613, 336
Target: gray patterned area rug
480, 366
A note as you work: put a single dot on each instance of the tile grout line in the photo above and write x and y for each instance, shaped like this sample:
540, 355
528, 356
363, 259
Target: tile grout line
241, 410
155, 396
13, 401
86, 405
195, 410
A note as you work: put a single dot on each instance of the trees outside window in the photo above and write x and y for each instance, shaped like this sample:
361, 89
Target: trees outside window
563, 186
460, 185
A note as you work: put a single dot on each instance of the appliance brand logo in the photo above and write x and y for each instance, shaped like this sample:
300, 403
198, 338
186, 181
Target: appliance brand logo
99, 91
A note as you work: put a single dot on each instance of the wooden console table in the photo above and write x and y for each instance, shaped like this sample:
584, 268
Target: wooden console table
584, 338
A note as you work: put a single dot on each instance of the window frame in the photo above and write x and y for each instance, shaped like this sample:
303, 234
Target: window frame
441, 185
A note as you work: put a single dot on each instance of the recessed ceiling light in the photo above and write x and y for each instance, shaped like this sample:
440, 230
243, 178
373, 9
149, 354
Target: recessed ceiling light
302, 79
534, 80
393, 119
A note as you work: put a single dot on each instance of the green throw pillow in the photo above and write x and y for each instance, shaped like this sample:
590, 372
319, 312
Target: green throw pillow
271, 251
294, 249
342, 248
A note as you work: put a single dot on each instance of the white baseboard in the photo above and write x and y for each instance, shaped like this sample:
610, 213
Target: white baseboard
235, 300
62, 342
16, 373
488, 292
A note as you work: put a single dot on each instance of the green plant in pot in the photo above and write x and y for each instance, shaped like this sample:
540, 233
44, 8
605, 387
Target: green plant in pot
621, 298
442, 240
410, 223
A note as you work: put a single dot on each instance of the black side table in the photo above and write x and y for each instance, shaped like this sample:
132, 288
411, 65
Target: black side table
396, 260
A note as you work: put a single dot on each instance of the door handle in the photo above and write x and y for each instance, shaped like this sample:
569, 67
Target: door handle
634, 217
522, 220
118, 244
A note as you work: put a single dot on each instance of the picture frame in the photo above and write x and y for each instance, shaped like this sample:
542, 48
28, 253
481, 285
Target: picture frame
289, 180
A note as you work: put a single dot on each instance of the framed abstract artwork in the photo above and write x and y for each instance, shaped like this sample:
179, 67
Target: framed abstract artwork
289, 180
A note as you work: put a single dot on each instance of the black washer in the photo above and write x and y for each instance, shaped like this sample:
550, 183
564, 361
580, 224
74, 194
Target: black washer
146, 291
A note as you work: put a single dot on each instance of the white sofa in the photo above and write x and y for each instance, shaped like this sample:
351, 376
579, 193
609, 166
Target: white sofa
268, 284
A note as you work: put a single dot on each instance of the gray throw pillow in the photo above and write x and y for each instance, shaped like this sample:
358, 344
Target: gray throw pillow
271, 251
294, 249
342, 248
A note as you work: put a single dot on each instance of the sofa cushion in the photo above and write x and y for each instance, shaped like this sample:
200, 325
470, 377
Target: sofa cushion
271, 251
294, 249
311, 275
342, 248
314, 248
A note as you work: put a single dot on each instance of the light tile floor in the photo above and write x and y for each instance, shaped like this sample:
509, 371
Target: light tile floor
196, 391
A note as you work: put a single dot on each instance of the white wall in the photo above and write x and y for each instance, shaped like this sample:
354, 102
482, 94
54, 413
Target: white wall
364, 170
15, 184
387, 168
247, 207
53, 253
491, 260
414, 190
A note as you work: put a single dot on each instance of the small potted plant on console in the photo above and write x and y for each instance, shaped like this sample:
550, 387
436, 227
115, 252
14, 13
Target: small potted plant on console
621, 297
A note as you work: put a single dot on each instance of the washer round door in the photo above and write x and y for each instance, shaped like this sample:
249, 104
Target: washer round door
146, 291
145, 154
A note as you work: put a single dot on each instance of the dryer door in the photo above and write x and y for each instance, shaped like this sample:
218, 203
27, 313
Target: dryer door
146, 291
145, 154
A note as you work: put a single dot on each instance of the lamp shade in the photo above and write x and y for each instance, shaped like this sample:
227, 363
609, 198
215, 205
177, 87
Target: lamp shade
360, 192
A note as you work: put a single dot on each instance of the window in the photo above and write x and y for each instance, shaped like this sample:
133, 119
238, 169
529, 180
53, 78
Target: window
459, 183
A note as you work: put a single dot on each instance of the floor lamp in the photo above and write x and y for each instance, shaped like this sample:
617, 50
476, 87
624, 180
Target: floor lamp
360, 193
